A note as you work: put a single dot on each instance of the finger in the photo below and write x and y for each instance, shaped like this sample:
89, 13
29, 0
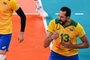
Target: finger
18, 39
21, 40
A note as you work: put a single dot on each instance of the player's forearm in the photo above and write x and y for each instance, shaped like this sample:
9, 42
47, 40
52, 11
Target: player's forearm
23, 23
23, 19
84, 44
47, 42
80, 46
48, 39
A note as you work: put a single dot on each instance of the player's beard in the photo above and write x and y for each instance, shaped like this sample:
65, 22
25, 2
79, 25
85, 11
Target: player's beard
63, 22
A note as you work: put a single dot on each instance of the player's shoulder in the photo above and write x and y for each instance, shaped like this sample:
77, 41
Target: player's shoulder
57, 20
5, 1
12, 0
74, 23
53, 21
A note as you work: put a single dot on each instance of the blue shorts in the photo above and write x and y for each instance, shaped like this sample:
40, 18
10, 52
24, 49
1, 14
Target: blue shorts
5, 41
55, 56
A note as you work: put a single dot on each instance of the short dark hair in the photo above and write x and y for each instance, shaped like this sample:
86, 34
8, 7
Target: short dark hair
68, 11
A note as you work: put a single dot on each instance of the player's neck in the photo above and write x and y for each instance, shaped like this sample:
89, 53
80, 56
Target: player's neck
67, 23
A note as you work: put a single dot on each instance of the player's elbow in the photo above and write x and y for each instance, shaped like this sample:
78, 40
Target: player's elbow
87, 45
45, 45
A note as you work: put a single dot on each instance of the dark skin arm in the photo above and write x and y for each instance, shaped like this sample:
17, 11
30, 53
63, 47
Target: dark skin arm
49, 37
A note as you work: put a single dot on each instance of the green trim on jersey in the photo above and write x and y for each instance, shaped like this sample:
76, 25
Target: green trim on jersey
57, 21
73, 23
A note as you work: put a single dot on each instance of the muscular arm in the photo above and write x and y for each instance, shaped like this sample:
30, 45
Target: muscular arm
50, 37
84, 44
47, 39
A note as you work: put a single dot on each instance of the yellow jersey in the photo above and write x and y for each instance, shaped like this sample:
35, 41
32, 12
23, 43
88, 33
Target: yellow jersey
7, 7
66, 34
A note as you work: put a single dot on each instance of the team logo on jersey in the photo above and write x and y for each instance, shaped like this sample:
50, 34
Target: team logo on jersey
58, 27
71, 30
83, 33
4, 3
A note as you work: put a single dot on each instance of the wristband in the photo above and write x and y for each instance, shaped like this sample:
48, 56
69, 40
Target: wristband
50, 38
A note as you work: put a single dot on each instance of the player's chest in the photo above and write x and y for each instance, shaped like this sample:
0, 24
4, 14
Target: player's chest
70, 31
